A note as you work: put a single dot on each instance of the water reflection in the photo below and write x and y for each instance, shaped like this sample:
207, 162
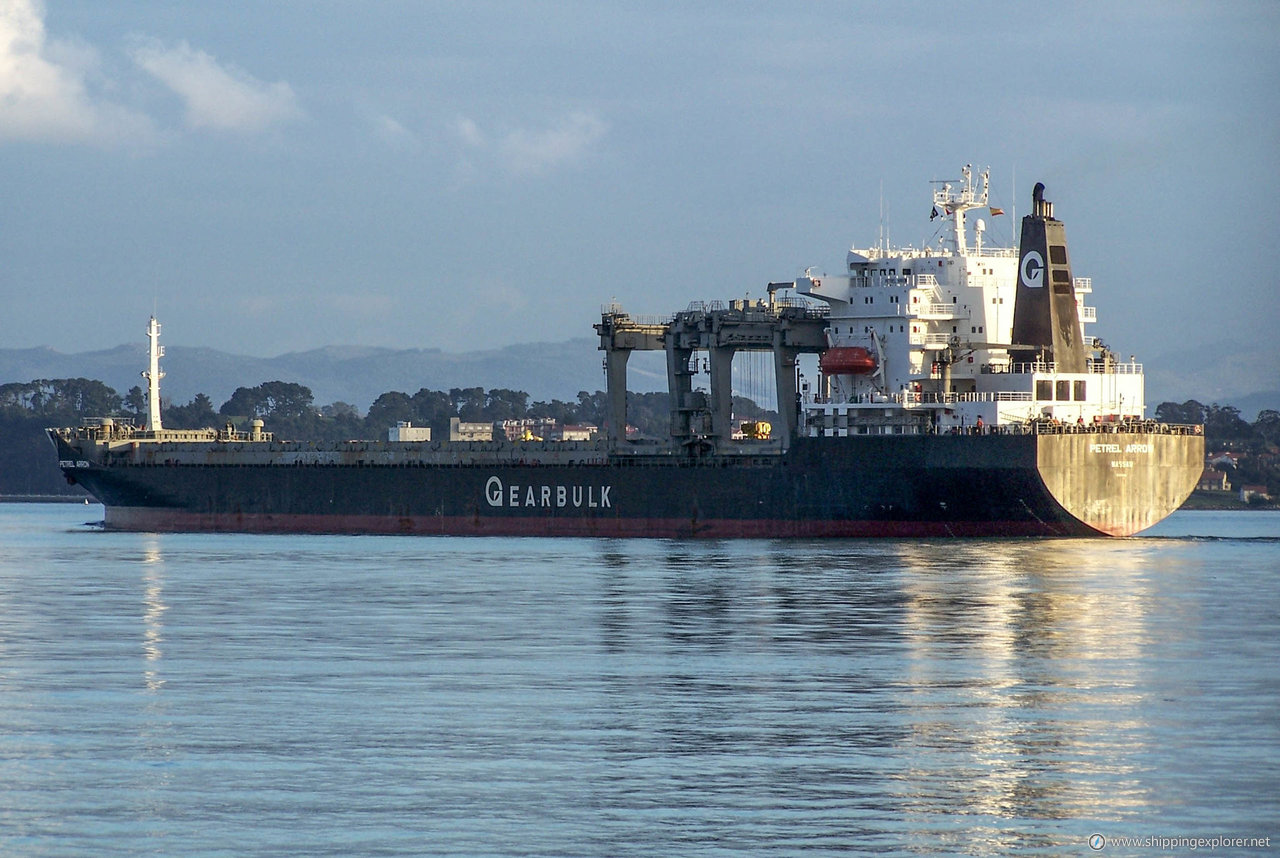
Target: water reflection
991, 679
153, 613
615, 600
1025, 664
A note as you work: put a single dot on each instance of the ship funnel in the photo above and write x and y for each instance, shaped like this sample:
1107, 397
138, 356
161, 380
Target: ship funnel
1040, 207
1044, 311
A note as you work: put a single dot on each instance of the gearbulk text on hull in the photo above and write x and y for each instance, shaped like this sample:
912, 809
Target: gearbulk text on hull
957, 395
545, 496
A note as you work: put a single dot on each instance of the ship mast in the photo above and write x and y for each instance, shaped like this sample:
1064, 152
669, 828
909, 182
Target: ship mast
949, 201
153, 375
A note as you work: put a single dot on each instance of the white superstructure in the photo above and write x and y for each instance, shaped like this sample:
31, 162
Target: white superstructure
921, 340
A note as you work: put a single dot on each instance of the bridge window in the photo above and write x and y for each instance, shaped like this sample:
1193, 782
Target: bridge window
1077, 391
1044, 389
1063, 391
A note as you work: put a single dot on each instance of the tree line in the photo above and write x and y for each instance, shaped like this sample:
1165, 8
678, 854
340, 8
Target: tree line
1256, 444
1224, 422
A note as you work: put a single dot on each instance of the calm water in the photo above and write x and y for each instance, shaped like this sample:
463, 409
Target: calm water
184, 694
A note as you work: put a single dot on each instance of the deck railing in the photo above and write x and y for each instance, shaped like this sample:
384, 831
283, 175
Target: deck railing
1092, 366
1050, 427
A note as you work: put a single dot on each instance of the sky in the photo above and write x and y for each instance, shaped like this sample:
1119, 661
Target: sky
277, 177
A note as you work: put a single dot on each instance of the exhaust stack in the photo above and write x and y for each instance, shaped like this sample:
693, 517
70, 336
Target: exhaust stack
1044, 310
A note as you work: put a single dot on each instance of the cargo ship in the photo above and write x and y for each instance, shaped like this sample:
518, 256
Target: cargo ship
948, 390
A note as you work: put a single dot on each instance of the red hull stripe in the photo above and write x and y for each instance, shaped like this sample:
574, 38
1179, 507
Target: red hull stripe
165, 520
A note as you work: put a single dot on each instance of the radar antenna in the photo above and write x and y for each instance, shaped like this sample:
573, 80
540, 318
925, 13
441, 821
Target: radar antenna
951, 201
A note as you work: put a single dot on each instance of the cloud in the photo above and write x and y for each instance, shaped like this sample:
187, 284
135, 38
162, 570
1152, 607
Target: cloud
524, 151
223, 98
44, 89
394, 135
469, 133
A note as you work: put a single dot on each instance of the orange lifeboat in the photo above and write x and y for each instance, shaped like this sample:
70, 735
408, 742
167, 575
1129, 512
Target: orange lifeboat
847, 360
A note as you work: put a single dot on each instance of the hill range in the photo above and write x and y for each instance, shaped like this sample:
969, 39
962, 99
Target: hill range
353, 374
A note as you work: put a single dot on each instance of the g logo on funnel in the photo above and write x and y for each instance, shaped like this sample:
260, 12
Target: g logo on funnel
1033, 270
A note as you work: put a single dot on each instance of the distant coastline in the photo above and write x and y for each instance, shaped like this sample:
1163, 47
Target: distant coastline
1222, 501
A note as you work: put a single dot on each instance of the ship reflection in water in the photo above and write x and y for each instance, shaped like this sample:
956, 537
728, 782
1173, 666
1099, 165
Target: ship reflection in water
153, 612
1023, 680
937, 681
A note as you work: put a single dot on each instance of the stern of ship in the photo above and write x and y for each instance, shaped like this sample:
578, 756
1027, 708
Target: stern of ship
1123, 481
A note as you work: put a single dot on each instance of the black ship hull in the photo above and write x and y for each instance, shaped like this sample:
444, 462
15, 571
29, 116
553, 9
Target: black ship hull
966, 485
